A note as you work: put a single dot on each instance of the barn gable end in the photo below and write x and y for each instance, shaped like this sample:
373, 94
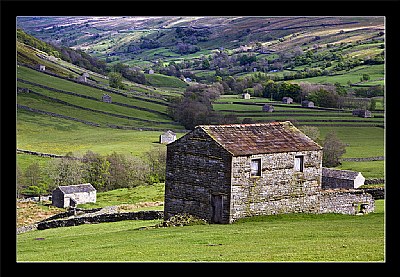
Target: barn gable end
197, 170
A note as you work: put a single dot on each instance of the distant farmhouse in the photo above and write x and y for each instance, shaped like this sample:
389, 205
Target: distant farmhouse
167, 137
70, 196
106, 98
225, 172
287, 100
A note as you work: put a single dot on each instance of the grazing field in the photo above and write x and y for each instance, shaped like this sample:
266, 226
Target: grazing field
288, 237
59, 136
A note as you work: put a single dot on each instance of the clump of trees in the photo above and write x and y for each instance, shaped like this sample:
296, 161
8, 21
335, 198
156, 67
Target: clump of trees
195, 107
104, 172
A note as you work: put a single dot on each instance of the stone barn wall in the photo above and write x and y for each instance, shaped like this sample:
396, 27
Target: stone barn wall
197, 170
80, 198
280, 189
346, 201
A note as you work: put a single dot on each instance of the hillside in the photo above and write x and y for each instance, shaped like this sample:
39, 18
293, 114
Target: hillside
276, 43
269, 57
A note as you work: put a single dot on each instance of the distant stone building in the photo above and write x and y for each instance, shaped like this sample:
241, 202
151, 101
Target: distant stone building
83, 77
268, 108
307, 104
225, 172
362, 113
246, 95
70, 196
287, 100
106, 98
42, 67
167, 137
341, 179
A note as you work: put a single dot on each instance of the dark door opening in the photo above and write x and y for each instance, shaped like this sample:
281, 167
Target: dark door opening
217, 204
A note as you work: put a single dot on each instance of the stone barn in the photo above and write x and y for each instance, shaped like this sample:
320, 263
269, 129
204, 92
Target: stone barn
167, 137
307, 104
106, 98
268, 108
246, 95
336, 179
362, 113
70, 196
225, 172
287, 100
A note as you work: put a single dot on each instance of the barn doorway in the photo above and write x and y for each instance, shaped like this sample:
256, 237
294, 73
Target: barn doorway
217, 205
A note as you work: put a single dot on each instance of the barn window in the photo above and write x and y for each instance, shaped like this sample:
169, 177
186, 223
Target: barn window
255, 167
299, 163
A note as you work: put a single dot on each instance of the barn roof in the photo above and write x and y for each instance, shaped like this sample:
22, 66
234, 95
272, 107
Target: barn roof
339, 173
77, 188
248, 139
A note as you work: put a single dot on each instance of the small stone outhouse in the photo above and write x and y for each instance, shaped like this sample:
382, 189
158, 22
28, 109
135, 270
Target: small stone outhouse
70, 196
246, 95
41, 67
225, 172
362, 113
307, 104
106, 98
287, 100
341, 179
268, 108
167, 137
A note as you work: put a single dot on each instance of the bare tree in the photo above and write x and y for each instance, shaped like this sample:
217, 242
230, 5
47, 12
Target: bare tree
333, 150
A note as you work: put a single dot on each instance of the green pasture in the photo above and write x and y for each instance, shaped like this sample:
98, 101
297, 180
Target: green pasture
54, 82
41, 103
41, 133
370, 169
142, 193
276, 238
160, 80
361, 142
353, 75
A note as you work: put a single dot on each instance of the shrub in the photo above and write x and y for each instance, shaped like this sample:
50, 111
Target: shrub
182, 220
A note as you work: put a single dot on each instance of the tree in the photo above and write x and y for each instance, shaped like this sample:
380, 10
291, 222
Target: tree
65, 171
365, 77
115, 80
96, 170
156, 160
333, 150
311, 131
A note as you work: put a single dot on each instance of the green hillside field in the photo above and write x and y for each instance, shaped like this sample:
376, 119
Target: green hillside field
277, 238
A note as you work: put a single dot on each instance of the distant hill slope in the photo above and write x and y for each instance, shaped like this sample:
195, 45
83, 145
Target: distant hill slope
276, 43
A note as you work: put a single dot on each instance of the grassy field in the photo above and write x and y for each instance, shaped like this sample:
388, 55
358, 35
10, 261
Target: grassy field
289, 237
59, 136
